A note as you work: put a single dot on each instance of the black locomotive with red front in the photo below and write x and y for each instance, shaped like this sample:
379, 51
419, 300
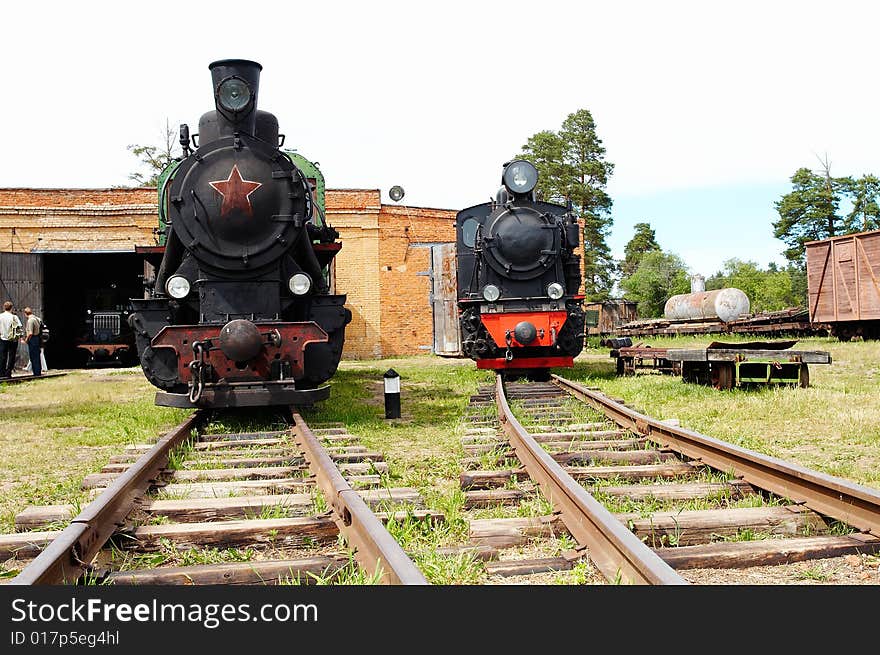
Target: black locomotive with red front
518, 278
241, 312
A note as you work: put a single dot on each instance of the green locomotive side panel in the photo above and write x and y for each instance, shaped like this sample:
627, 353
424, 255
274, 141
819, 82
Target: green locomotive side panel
312, 172
164, 179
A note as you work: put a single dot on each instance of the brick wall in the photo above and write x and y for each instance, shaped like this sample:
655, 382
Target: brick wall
385, 253
34, 220
354, 213
406, 235
80, 198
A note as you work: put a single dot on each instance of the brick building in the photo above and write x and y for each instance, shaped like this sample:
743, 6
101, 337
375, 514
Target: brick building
384, 268
52, 241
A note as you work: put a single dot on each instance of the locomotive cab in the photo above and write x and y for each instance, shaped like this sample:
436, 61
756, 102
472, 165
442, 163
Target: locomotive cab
518, 278
240, 313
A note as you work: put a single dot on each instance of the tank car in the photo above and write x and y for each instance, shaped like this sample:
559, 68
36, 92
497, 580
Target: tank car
241, 311
726, 305
518, 279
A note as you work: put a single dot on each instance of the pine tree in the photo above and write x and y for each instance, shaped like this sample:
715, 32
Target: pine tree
572, 168
643, 241
809, 211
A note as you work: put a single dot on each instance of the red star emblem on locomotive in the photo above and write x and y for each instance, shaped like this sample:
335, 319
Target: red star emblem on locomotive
236, 192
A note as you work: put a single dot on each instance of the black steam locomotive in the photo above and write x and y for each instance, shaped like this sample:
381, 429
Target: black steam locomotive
518, 278
241, 312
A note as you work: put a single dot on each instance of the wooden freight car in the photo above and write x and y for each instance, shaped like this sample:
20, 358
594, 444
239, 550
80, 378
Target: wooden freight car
843, 280
607, 316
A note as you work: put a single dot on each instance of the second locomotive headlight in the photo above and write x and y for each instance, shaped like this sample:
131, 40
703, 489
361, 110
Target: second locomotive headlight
555, 290
520, 176
491, 293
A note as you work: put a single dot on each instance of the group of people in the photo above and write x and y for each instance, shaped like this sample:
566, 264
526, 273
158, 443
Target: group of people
12, 332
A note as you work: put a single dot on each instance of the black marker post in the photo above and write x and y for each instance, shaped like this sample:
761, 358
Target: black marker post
392, 393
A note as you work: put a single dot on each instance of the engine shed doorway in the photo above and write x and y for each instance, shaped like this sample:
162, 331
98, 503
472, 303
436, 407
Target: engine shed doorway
75, 284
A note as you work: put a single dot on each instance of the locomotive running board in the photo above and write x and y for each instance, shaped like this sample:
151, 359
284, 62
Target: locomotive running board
525, 363
244, 394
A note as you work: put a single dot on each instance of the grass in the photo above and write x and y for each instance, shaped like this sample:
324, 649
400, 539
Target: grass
247, 420
169, 554
55, 431
422, 447
349, 574
815, 573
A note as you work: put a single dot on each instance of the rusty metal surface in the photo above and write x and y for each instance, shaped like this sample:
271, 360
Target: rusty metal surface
291, 342
27, 377
752, 345
851, 503
375, 549
612, 547
725, 304
741, 354
641, 351
65, 559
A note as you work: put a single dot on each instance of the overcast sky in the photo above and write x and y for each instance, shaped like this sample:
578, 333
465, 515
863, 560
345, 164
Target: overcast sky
706, 109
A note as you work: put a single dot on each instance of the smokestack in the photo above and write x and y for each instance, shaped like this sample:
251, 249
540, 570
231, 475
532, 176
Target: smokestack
236, 101
698, 283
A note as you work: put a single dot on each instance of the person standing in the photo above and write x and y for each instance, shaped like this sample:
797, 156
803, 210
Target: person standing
32, 328
10, 333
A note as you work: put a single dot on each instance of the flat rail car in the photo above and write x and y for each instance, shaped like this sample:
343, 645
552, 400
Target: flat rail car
843, 282
725, 365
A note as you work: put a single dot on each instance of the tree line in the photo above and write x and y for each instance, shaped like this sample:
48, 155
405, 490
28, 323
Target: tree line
573, 169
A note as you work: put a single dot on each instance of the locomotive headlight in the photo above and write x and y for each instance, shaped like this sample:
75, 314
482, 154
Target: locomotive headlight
555, 290
234, 94
177, 286
520, 176
491, 293
300, 284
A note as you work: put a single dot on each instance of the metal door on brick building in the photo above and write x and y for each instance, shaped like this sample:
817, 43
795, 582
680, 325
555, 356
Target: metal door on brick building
21, 281
447, 334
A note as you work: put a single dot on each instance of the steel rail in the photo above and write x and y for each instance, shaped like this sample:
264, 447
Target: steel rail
374, 548
69, 555
613, 549
845, 501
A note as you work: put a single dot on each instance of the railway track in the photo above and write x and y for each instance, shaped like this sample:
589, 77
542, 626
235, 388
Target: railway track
265, 507
649, 502
558, 480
